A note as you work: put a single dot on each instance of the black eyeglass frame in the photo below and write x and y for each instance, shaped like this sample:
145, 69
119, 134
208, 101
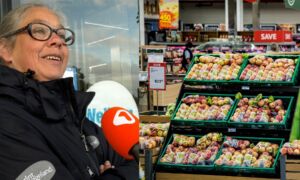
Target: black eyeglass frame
28, 28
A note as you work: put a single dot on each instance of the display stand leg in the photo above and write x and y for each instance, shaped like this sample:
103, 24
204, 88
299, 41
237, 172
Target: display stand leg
157, 102
282, 167
148, 164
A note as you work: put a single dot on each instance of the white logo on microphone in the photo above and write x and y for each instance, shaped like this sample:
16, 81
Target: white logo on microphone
121, 120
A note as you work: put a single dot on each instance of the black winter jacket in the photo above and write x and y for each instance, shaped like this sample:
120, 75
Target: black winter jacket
42, 125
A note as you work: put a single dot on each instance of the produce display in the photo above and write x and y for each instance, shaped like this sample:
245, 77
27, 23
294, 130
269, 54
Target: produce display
198, 107
263, 68
190, 150
291, 148
244, 153
216, 68
259, 110
170, 109
258, 156
152, 134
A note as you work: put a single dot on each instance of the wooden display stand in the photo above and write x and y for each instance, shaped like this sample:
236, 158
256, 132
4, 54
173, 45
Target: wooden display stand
292, 169
154, 153
149, 157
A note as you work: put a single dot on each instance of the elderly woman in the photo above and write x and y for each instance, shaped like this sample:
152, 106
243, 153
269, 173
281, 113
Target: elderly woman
43, 129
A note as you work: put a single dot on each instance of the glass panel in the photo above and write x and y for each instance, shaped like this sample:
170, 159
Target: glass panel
107, 39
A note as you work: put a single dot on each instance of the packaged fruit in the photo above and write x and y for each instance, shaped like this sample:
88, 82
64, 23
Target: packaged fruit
244, 153
216, 68
179, 152
263, 68
197, 107
291, 148
259, 110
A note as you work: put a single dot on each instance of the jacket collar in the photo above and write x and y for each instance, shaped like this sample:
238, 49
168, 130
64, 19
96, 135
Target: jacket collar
46, 99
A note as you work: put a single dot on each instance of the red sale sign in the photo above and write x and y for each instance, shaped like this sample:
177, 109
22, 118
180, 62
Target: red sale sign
272, 36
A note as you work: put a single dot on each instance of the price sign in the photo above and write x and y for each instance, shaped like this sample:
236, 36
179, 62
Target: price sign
157, 76
165, 19
168, 14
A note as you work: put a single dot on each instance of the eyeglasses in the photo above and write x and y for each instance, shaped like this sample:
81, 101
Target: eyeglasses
43, 32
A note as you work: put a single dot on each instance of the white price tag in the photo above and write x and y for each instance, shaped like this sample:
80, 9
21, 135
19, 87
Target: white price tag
157, 76
245, 88
231, 129
155, 58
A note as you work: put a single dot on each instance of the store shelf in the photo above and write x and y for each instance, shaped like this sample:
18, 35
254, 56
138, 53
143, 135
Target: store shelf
247, 131
180, 176
279, 43
173, 43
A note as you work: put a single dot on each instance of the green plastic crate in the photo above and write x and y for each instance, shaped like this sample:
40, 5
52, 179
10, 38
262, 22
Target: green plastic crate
272, 83
213, 82
251, 170
203, 123
287, 103
185, 167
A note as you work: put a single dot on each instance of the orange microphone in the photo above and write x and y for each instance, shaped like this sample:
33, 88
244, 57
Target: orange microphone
121, 129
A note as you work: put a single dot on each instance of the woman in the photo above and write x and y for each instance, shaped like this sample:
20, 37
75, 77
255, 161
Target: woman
43, 130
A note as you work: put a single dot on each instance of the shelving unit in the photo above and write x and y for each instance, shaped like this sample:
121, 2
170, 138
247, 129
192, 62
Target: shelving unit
227, 88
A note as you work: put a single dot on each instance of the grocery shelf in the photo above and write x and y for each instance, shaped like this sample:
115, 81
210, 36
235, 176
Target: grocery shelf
247, 89
173, 43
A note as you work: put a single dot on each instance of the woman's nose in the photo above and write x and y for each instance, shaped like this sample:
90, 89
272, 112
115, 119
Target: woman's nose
56, 40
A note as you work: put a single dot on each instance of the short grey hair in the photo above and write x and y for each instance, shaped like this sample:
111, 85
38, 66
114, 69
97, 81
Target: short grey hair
11, 21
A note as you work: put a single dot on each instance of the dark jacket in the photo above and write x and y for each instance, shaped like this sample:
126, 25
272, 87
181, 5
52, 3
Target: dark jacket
185, 64
45, 121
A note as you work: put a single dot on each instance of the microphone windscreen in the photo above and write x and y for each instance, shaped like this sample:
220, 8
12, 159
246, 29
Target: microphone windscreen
121, 129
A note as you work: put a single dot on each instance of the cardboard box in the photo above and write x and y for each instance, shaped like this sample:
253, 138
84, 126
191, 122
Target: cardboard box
168, 96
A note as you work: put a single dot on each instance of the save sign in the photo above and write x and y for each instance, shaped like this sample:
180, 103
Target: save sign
272, 36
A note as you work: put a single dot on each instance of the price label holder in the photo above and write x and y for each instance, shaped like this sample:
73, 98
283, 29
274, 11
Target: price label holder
246, 88
232, 130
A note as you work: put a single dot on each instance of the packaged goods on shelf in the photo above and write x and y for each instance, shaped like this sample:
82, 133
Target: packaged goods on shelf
152, 135
202, 109
191, 151
264, 68
255, 125
208, 67
261, 111
291, 148
249, 155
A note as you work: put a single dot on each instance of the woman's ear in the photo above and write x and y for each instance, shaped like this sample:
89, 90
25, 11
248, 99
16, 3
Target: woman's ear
5, 52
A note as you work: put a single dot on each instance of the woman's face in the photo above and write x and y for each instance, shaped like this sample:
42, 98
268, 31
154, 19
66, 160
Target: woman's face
48, 59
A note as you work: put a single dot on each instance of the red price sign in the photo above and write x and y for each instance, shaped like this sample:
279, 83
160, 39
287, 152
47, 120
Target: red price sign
165, 19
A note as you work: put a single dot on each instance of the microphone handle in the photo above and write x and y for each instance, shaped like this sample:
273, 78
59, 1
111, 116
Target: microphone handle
134, 151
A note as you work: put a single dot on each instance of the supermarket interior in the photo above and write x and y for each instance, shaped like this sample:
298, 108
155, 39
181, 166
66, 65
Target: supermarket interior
233, 111
215, 83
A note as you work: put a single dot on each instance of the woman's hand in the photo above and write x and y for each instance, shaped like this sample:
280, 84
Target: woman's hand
105, 166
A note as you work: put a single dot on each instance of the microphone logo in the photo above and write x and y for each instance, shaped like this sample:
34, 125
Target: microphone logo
123, 117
